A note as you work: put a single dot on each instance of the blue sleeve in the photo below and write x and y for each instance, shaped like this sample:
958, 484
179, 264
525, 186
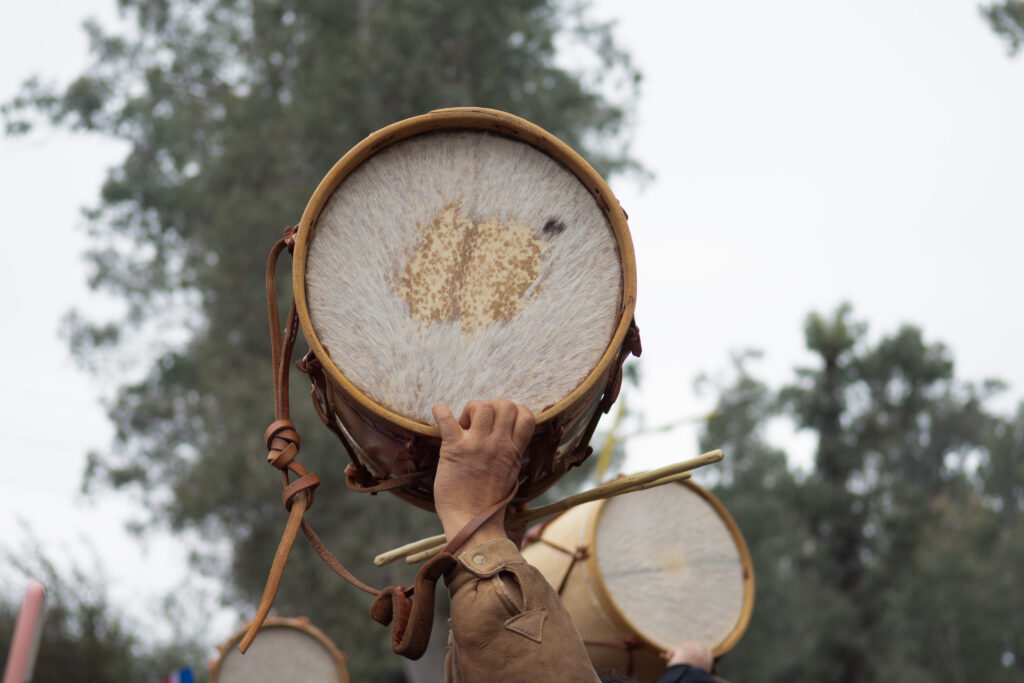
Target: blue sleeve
684, 673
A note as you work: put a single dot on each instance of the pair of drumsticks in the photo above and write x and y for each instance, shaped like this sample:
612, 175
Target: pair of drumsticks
426, 548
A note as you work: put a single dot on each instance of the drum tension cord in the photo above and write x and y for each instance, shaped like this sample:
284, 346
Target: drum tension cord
581, 553
409, 610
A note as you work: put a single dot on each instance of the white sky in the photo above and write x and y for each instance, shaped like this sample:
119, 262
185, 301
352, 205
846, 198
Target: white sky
805, 153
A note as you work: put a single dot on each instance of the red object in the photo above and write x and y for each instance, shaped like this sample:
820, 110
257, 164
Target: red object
21, 660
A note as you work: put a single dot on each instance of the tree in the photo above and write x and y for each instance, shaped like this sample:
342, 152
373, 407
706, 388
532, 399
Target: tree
84, 638
233, 112
1007, 20
888, 559
761, 493
1003, 489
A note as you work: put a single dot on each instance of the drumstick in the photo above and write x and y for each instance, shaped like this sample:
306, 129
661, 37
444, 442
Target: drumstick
605, 490
533, 515
408, 549
634, 482
427, 548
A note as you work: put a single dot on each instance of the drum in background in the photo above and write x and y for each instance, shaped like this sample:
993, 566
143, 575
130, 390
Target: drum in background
464, 254
645, 571
284, 650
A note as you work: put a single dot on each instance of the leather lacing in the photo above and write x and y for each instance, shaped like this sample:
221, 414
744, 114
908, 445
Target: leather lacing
357, 477
579, 554
408, 609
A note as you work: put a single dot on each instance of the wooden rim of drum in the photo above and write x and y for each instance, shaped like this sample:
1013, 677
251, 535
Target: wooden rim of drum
611, 607
298, 623
491, 121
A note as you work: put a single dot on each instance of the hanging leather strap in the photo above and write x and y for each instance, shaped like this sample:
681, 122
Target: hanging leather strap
409, 611
413, 621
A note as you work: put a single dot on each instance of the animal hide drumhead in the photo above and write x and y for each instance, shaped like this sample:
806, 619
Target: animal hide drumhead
284, 650
460, 265
671, 565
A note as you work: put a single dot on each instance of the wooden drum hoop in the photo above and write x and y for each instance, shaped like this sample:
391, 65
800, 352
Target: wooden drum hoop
300, 624
367, 426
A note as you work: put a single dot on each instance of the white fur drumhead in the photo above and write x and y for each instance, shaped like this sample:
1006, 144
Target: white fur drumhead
464, 265
280, 653
671, 565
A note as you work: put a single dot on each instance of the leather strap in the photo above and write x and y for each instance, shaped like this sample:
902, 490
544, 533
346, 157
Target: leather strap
410, 634
413, 620
356, 476
478, 521
409, 611
353, 475
282, 450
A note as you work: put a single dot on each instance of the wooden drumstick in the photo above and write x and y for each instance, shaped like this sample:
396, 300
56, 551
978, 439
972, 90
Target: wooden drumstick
533, 515
428, 547
408, 549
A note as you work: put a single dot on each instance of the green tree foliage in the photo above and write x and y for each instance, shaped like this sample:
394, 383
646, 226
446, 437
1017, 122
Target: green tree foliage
894, 557
233, 112
1007, 20
762, 495
84, 638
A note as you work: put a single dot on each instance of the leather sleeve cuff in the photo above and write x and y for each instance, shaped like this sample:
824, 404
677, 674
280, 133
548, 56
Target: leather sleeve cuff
483, 561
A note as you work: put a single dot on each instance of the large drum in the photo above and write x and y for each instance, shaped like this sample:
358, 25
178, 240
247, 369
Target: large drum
463, 254
645, 571
284, 650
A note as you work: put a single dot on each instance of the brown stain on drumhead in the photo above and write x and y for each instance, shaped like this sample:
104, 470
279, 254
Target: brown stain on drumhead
476, 273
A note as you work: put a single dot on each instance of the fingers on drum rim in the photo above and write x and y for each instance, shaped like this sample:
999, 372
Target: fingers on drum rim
480, 416
446, 422
505, 414
523, 430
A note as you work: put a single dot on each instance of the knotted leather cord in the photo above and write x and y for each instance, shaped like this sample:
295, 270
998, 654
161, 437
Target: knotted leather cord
411, 620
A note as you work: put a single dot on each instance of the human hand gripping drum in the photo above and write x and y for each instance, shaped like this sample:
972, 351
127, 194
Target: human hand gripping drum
507, 622
458, 255
478, 468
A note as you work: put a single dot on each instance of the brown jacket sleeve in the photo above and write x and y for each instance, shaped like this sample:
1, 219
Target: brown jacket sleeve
500, 633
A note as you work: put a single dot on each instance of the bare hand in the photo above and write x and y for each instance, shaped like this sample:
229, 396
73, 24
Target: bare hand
691, 652
481, 454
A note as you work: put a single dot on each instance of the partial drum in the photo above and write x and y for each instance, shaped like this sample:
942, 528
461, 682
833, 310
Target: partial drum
284, 650
463, 254
644, 571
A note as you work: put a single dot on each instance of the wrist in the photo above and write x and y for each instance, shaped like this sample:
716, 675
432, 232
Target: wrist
492, 529
485, 534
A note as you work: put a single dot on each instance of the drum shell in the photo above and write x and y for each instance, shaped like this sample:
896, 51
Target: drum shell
386, 450
383, 444
565, 554
584, 597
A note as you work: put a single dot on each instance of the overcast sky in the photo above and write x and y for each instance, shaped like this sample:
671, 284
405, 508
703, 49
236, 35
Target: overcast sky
805, 153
